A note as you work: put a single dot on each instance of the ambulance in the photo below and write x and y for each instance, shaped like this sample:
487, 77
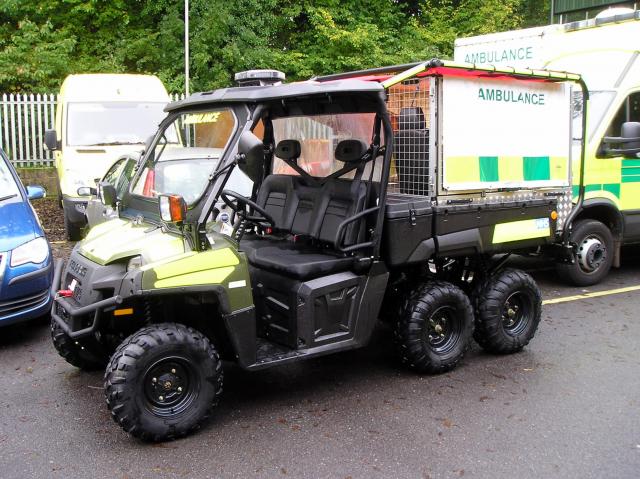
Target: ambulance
604, 51
99, 118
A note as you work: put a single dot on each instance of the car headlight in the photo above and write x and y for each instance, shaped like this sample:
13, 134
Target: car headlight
134, 263
34, 251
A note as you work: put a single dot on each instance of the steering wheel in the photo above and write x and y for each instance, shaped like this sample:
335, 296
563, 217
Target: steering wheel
242, 205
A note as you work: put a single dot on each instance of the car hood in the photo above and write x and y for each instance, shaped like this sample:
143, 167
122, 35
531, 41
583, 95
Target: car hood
119, 238
18, 224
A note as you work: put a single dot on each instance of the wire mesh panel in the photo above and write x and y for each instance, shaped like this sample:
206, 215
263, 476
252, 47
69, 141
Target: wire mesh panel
408, 105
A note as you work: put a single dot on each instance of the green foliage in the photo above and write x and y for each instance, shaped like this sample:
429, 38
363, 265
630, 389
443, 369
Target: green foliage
41, 41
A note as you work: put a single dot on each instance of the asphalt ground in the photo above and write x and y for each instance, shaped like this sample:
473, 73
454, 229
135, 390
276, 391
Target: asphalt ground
568, 406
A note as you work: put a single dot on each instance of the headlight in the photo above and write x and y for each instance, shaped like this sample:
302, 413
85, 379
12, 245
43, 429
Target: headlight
35, 251
134, 263
74, 182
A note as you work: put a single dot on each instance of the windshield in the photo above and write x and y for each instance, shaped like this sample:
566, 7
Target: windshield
599, 102
8, 186
181, 165
115, 123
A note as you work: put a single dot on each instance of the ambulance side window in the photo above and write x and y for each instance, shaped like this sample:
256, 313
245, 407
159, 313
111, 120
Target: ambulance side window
629, 111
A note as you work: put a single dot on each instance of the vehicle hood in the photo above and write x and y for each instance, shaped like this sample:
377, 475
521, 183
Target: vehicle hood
118, 239
83, 164
17, 225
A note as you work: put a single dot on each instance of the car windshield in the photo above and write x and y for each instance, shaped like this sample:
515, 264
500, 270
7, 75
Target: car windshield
114, 123
182, 166
8, 186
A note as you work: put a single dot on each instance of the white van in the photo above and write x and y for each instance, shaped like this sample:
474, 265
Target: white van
99, 118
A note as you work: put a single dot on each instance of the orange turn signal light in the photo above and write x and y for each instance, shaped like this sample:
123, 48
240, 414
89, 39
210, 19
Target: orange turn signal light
176, 206
172, 208
554, 215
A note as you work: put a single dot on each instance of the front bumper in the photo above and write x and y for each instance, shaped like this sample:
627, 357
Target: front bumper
74, 209
25, 308
71, 316
25, 291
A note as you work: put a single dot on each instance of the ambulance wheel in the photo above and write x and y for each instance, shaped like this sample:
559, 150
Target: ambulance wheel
84, 354
163, 382
435, 327
594, 254
508, 309
73, 231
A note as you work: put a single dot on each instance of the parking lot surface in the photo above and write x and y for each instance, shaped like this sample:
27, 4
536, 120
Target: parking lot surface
567, 406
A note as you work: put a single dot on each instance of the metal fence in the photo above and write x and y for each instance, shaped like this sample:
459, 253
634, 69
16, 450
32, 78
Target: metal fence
23, 121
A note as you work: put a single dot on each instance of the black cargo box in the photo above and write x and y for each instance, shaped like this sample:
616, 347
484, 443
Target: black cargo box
408, 222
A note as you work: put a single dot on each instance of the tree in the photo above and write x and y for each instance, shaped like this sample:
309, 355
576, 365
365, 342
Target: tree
43, 41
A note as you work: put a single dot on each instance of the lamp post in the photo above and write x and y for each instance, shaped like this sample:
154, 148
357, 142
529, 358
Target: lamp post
186, 47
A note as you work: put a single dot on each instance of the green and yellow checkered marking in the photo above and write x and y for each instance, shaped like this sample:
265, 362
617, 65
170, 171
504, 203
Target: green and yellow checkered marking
502, 169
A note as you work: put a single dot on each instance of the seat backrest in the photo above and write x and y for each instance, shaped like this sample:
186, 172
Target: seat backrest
315, 210
277, 197
341, 201
412, 151
276, 193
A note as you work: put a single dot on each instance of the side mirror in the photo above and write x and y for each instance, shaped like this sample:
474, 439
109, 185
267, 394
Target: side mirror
250, 155
173, 208
87, 191
107, 193
630, 131
35, 192
51, 140
629, 140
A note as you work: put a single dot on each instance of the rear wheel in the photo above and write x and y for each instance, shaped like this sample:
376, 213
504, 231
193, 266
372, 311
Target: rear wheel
163, 382
86, 354
509, 306
435, 328
594, 254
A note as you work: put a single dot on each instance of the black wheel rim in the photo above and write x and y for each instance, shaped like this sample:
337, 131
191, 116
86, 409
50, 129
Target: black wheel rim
171, 385
443, 329
516, 313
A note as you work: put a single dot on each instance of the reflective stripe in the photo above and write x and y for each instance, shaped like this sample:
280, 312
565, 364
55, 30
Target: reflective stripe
521, 230
505, 169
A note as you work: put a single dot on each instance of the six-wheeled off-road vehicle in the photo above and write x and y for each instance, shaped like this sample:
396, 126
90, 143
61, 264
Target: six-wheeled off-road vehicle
354, 216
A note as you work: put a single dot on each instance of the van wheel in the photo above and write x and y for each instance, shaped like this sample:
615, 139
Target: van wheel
163, 382
72, 230
85, 354
435, 328
509, 305
594, 255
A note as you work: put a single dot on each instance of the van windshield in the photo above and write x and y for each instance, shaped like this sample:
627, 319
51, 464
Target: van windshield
599, 102
112, 123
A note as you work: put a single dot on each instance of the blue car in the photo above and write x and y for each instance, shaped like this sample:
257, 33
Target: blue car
26, 270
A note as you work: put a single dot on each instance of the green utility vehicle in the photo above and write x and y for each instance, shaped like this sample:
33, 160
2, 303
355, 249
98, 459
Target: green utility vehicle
355, 215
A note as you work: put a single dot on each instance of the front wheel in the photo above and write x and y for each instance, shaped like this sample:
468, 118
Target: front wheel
594, 254
85, 354
435, 327
163, 382
508, 312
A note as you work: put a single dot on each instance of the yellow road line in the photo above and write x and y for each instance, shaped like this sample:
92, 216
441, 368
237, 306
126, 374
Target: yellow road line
595, 294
